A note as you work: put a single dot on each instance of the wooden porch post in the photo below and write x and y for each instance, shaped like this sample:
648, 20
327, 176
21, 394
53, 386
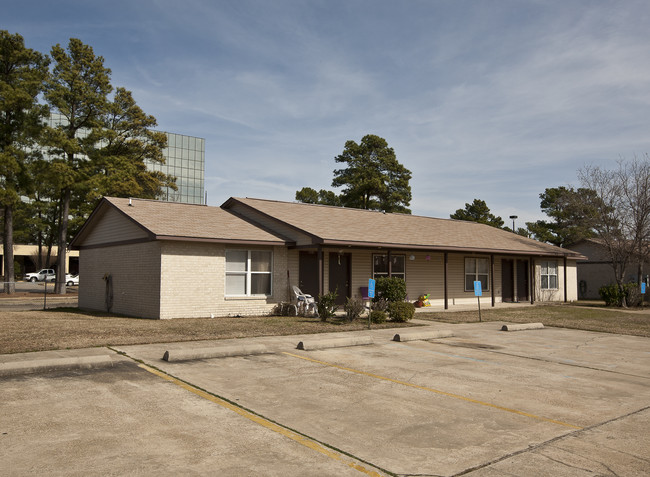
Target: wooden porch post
446, 274
321, 272
492, 278
390, 265
565, 282
532, 280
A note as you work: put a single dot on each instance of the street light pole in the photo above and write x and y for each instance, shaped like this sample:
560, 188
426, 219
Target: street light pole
513, 217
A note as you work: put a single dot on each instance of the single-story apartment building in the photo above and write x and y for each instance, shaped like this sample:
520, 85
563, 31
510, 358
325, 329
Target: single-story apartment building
596, 270
158, 259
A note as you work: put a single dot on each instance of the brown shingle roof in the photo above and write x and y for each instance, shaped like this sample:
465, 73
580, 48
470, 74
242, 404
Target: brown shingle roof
346, 226
170, 220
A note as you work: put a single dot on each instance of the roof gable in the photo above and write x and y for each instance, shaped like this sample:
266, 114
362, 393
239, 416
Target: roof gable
158, 220
113, 227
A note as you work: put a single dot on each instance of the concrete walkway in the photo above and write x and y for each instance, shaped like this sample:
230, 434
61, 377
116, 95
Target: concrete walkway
88, 358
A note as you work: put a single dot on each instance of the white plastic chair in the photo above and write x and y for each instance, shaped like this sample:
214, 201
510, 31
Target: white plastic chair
304, 301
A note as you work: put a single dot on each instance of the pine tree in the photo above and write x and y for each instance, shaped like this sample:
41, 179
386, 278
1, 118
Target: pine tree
22, 75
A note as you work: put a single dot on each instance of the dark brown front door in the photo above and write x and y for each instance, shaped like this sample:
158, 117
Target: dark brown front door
340, 277
507, 281
522, 280
308, 273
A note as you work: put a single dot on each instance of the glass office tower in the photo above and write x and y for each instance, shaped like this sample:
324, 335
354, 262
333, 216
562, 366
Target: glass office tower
184, 159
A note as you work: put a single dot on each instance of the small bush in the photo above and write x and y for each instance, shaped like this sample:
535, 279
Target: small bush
378, 316
401, 311
391, 289
613, 295
633, 295
380, 304
353, 308
284, 309
327, 305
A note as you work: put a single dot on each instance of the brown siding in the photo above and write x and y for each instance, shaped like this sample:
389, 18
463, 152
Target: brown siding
361, 271
113, 227
594, 251
594, 276
425, 276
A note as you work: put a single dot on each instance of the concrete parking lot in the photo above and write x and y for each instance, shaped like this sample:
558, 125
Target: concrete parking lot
481, 403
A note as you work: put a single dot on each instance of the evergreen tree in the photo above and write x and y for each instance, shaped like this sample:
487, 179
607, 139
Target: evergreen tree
573, 213
22, 75
308, 195
478, 211
373, 178
77, 89
117, 165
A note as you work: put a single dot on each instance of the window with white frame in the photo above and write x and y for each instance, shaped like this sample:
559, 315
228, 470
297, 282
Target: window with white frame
477, 269
549, 275
397, 266
248, 272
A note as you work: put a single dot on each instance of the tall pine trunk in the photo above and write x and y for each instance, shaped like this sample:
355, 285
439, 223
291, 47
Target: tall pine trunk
8, 250
59, 287
39, 265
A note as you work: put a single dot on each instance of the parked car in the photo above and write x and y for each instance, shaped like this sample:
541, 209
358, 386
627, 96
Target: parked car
41, 276
71, 280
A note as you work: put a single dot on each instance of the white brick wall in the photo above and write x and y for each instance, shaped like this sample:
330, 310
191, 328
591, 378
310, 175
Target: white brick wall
193, 282
135, 273
171, 280
187, 279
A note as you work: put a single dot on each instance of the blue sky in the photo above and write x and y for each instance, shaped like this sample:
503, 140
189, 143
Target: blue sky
495, 100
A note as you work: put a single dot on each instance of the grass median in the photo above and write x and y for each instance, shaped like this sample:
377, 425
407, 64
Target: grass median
580, 317
61, 328
24, 331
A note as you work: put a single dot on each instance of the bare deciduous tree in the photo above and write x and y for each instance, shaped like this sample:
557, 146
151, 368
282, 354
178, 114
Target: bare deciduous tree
623, 212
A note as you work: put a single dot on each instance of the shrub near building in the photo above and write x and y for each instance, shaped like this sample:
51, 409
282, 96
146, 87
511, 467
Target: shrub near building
401, 311
392, 290
612, 294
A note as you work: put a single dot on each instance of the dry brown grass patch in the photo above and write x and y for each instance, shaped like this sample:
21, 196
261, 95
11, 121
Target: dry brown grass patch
22, 331
609, 320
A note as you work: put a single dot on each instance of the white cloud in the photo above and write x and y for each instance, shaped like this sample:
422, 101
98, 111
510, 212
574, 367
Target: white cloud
493, 100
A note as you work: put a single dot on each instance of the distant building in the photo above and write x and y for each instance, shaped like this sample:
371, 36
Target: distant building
184, 159
597, 271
